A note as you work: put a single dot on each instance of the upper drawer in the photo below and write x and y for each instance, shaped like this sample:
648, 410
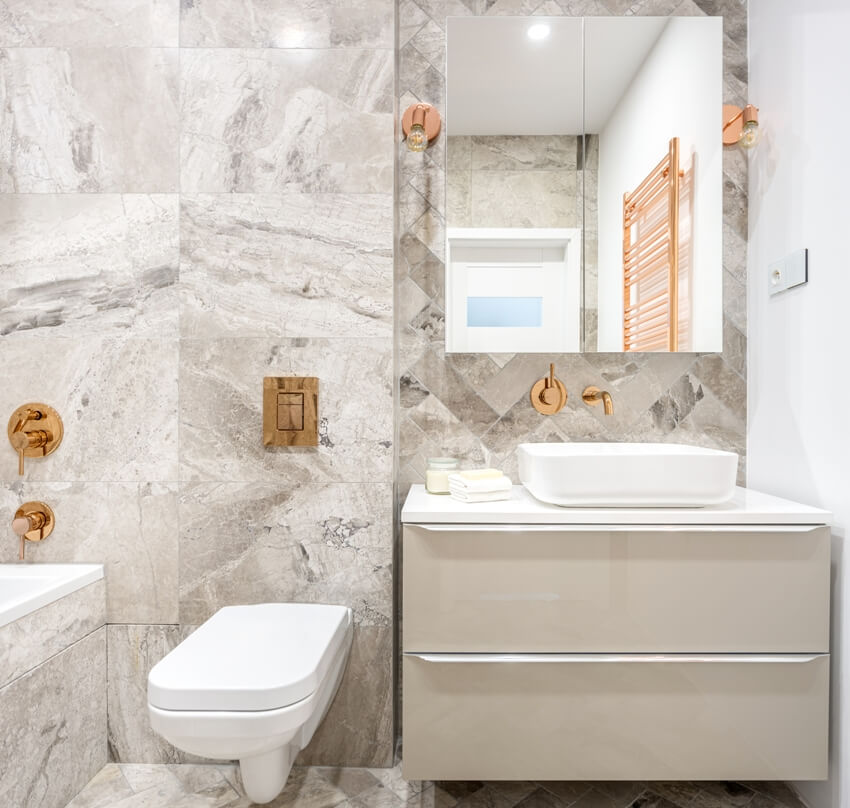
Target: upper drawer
640, 589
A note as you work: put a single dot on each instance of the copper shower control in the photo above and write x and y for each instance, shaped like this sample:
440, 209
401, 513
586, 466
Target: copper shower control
548, 395
33, 521
35, 430
290, 411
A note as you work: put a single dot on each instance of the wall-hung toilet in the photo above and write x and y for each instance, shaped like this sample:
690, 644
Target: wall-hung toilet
252, 684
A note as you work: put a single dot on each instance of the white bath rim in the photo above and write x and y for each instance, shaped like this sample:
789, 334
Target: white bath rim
27, 587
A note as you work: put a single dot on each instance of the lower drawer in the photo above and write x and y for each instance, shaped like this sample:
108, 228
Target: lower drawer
608, 717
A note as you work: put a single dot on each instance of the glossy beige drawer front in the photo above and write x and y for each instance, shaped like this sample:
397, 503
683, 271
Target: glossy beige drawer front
744, 718
654, 589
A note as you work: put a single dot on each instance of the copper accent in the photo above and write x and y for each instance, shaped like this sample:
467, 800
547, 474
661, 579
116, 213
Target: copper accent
651, 258
35, 430
548, 395
290, 411
593, 395
426, 116
33, 521
734, 121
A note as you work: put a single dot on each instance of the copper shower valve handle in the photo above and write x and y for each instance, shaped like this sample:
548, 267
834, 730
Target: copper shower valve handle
33, 521
548, 395
39, 441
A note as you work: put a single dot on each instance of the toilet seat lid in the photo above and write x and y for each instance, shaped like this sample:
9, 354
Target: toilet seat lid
260, 657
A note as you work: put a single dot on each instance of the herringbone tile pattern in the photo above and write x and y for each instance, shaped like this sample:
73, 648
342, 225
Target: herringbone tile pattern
475, 406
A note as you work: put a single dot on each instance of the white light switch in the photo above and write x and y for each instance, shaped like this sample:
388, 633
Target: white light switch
793, 270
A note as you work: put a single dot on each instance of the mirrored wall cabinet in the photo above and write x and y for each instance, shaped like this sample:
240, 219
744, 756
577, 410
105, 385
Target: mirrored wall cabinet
584, 184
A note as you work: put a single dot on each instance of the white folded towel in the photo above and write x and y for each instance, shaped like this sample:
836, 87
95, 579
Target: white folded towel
486, 485
492, 496
477, 488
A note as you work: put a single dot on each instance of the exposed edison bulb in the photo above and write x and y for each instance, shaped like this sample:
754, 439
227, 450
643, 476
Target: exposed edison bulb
749, 135
417, 140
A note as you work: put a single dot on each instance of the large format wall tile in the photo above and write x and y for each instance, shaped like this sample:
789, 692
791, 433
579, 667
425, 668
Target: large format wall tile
89, 264
277, 120
32, 639
88, 119
117, 398
88, 23
309, 543
130, 528
53, 727
306, 265
291, 24
221, 384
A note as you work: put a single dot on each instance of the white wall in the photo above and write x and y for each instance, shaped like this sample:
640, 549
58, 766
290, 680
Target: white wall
799, 383
676, 92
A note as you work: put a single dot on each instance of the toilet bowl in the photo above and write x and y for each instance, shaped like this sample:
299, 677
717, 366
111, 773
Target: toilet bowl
252, 684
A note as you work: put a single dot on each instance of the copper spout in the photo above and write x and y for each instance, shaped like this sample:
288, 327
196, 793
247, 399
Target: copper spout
593, 395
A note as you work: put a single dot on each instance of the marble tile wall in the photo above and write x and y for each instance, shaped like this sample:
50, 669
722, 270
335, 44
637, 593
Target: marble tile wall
476, 406
195, 195
53, 724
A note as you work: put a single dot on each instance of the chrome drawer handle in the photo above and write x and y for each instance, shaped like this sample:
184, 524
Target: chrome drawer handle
604, 658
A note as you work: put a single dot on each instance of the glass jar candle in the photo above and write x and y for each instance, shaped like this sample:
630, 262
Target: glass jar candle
437, 474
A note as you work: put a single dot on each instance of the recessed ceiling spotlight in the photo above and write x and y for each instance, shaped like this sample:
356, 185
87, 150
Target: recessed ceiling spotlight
538, 31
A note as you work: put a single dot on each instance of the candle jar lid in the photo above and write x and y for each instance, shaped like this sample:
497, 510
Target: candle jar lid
443, 462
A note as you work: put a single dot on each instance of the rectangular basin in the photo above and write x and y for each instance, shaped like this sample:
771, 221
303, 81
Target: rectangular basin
620, 475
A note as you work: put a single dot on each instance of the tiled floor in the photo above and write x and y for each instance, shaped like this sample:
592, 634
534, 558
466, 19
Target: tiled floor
184, 786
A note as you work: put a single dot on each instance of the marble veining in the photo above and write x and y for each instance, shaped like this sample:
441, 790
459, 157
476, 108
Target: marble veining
220, 387
129, 785
53, 726
89, 23
32, 639
272, 265
88, 120
294, 24
295, 120
84, 265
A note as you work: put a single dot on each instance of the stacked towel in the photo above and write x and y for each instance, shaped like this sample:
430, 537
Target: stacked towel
479, 485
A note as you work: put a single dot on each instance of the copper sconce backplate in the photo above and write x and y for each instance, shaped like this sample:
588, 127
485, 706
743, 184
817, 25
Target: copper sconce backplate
431, 123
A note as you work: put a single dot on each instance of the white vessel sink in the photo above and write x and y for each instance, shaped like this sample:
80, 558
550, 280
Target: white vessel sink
627, 474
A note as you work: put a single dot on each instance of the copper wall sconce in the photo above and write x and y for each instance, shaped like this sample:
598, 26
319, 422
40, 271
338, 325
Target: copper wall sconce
421, 125
740, 126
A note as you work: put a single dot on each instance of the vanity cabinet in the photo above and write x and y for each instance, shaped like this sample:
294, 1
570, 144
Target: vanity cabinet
653, 644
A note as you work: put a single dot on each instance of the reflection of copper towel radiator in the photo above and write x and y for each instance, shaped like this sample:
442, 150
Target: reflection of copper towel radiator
651, 259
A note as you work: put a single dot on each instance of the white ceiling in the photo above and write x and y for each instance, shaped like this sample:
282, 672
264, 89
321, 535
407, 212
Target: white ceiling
500, 82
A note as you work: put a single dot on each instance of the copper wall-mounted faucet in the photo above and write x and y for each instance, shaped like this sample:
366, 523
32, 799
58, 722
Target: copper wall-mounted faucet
593, 395
35, 430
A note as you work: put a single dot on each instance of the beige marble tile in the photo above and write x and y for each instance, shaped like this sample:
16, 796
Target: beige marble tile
132, 651
34, 638
117, 398
295, 120
358, 729
89, 119
52, 725
89, 265
255, 543
295, 24
523, 199
523, 152
89, 23
221, 410
304, 265
130, 528
106, 788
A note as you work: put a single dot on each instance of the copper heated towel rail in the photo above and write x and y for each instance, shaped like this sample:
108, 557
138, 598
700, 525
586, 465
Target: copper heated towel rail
651, 259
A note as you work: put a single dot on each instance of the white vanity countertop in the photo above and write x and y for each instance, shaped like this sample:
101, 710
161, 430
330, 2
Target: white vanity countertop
747, 508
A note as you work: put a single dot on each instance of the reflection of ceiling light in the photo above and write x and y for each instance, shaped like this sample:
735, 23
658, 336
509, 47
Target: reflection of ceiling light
538, 31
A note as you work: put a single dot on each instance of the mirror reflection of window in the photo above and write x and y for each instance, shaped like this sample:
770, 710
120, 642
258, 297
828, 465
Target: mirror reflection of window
550, 122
